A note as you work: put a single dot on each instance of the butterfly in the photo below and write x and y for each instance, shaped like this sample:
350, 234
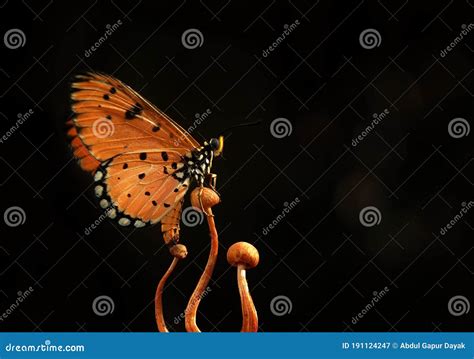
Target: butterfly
142, 161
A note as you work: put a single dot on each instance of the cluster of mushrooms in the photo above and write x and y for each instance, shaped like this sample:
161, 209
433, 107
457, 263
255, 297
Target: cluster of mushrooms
241, 255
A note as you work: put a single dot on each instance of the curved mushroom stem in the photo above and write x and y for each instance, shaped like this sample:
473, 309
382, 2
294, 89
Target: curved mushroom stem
207, 198
160, 320
249, 313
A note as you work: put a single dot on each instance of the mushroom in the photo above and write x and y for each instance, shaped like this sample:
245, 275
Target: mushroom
245, 256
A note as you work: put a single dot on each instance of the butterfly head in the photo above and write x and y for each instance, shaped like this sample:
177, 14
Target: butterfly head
217, 145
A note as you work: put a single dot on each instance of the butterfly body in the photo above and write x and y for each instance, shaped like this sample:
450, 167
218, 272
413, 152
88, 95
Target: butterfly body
141, 171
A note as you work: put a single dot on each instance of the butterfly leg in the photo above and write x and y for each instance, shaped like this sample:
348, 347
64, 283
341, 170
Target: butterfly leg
200, 202
211, 179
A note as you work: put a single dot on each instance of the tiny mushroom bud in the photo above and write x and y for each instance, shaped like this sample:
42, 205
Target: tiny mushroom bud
243, 254
179, 251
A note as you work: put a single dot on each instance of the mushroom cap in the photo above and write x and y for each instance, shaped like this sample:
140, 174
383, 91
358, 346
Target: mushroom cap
243, 253
209, 197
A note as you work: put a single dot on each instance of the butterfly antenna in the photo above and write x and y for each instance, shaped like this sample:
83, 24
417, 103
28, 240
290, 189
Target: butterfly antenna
246, 124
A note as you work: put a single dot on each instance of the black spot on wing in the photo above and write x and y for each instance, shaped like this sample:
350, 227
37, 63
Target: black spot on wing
133, 111
141, 176
143, 156
164, 155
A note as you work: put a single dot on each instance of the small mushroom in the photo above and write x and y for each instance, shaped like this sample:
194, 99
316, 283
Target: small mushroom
245, 256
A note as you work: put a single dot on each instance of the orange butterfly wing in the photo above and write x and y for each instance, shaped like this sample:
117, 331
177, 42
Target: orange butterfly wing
134, 149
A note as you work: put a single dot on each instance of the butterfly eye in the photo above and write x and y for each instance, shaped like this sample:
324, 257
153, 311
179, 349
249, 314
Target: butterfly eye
214, 143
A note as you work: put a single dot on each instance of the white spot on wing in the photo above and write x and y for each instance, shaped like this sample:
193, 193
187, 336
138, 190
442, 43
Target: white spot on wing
98, 176
124, 221
112, 213
139, 224
98, 191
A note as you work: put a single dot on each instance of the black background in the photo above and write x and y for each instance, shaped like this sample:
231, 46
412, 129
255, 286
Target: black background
327, 86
